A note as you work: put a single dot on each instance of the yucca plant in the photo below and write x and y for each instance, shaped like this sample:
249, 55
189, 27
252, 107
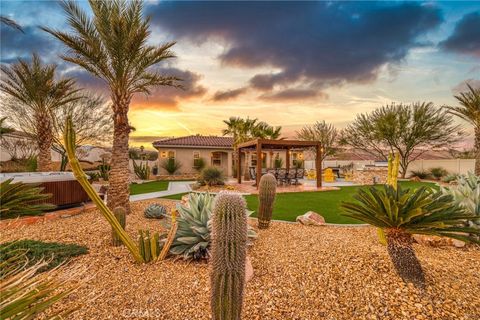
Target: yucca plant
142, 170
26, 294
20, 199
193, 237
404, 212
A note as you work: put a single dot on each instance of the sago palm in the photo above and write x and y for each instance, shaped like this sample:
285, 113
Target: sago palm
404, 212
33, 85
469, 110
111, 44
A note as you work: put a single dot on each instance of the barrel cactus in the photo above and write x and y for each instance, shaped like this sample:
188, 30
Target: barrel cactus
266, 195
229, 252
121, 215
155, 211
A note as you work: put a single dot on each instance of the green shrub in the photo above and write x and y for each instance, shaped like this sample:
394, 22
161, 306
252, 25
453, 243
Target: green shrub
211, 176
170, 165
421, 174
21, 199
438, 172
35, 251
142, 170
104, 170
450, 178
93, 175
31, 164
199, 164
278, 163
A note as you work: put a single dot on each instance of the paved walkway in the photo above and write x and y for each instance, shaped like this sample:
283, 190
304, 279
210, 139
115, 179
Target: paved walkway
174, 187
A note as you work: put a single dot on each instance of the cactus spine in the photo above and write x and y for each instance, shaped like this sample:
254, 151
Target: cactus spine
266, 195
121, 216
69, 139
229, 251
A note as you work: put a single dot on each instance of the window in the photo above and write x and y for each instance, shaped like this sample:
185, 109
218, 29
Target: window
171, 154
297, 158
216, 159
163, 154
254, 160
196, 159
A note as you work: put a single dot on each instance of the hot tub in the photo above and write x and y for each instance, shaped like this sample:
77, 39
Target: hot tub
65, 189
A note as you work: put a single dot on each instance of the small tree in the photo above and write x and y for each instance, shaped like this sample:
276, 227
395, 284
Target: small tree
409, 130
323, 132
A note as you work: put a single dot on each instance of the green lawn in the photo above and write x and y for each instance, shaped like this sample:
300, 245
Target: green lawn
327, 203
147, 187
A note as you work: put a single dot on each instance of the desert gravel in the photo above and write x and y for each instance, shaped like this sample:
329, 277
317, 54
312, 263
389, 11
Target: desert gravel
300, 273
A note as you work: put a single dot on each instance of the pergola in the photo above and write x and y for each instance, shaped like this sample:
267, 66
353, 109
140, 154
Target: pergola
260, 144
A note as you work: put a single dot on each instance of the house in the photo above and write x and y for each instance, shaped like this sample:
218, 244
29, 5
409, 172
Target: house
215, 151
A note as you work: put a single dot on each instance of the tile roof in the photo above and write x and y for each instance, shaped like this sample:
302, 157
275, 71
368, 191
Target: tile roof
196, 141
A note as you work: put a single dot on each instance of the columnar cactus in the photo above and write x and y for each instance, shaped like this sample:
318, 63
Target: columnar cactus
229, 252
121, 215
266, 195
69, 139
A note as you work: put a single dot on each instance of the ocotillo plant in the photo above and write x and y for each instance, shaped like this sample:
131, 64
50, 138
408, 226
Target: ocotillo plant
267, 189
69, 139
229, 252
121, 216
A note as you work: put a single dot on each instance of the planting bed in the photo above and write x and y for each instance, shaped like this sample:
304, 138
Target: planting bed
300, 273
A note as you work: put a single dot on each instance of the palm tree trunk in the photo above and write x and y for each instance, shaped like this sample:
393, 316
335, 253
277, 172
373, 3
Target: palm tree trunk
44, 141
118, 189
477, 151
399, 245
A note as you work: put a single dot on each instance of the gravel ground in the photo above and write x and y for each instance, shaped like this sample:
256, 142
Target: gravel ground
300, 273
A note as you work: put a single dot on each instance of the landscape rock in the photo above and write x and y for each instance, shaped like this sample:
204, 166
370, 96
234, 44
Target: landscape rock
248, 269
311, 219
435, 241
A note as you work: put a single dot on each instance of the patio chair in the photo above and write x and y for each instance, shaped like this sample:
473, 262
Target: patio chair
282, 176
299, 174
292, 176
328, 175
272, 171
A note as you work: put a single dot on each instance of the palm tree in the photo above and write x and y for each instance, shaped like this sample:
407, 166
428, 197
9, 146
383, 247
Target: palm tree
469, 110
233, 127
4, 129
34, 86
404, 212
112, 45
272, 133
10, 22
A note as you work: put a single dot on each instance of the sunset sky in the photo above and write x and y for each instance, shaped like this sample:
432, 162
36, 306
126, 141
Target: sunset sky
289, 64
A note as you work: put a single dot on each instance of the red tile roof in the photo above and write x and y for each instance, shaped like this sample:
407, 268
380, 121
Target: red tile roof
196, 141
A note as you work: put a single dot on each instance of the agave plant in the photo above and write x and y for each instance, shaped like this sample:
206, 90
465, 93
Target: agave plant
467, 195
20, 199
404, 212
193, 238
26, 294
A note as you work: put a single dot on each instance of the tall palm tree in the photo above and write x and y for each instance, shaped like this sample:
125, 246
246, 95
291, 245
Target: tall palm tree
10, 22
469, 110
112, 45
233, 127
33, 85
272, 133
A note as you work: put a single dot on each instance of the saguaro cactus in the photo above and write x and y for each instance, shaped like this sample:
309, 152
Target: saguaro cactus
121, 216
267, 189
69, 139
229, 252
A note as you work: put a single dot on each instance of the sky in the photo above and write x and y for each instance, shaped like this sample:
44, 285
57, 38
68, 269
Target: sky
286, 63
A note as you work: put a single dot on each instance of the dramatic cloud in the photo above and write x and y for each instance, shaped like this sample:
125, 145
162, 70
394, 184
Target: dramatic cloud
315, 43
293, 94
170, 97
466, 36
228, 94
15, 44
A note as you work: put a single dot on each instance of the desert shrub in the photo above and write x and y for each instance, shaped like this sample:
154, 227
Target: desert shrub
450, 178
21, 199
104, 170
35, 251
211, 176
142, 170
438, 172
278, 163
199, 164
171, 165
421, 174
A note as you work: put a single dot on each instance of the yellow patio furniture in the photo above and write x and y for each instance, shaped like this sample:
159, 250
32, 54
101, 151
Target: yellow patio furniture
328, 175
311, 174
349, 176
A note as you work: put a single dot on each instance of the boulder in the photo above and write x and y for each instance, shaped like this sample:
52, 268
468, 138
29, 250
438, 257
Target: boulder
311, 219
435, 241
248, 269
